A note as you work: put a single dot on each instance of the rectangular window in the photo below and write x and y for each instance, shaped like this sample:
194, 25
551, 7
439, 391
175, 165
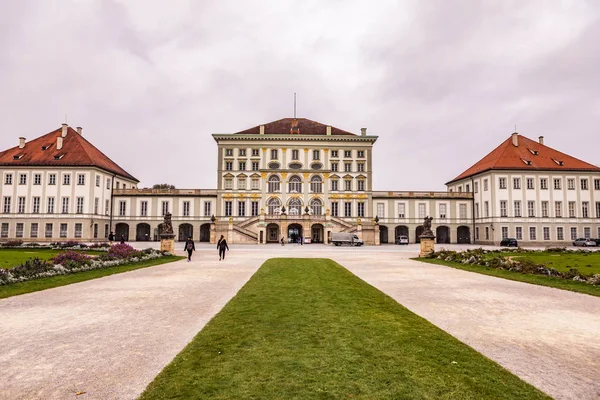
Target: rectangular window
486, 209
106, 207
255, 183
596, 184
360, 209
274, 154
34, 230
79, 205
228, 183
95, 231
21, 205
557, 184
584, 184
476, 210
19, 230
37, 179
360, 167
334, 153
52, 179
186, 208
6, 209
144, 208
108, 183
36, 205
503, 212
571, 184
228, 207
207, 210
66, 179
544, 209
504, 232
4, 230
165, 207
97, 183
242, 208
587, 232
460, 189
347, 209
532, 233
443, 210
242, 165
571, 209
335, 208
348, 185
348, 167
50, 208
530, 183
228, 165
334, 185
254, 206
361, 185
48, 231
462, 211
347, 153
598, 210
502, 183
468, 188
544, 183
22, 179
255, 153
401, 210
360, 153
516, 183
334, 167
485, 185
573, 233
421, 210
560, 234
519, 233
585, 209
316, 154
487, 233
531, 208
242, 183
228, 152
381, 210
558, 209
105, 231
546, 233
476, 233
63, 230
122, 206
242, 152
81, 179
65, 205
8, 179
255, 166
78, 230
517, 208
476, 187
295, 154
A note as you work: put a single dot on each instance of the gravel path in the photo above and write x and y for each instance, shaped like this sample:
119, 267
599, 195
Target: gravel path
110, 337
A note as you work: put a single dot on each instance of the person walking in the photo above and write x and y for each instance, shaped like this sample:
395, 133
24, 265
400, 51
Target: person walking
111, 238
221, 246
189, 247
122, 239
282, 242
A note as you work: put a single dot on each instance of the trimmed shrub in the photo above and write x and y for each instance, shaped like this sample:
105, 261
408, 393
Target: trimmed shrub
72, 257
122, 251
13, 243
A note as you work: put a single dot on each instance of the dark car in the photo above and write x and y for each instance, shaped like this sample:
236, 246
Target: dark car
509, 242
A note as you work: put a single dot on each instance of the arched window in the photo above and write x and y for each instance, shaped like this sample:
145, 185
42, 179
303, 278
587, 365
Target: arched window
295, 185
274, 184
295, 207
274, 206
316, 206
316, 184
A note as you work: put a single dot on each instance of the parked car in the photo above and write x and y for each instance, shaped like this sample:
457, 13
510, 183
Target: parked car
402, 239
509, 242
597, 241
340, 238
584, 242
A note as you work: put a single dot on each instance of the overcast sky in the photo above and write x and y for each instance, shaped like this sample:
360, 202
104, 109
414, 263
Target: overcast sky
440, 82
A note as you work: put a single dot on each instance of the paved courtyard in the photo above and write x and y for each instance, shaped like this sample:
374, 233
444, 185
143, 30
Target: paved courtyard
109, 337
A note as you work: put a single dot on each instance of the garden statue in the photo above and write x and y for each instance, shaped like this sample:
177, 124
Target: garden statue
167, 224
427, 227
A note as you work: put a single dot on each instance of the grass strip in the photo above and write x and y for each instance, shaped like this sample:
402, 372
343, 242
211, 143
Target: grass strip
309, 329
10, 258
542, 280
35, 285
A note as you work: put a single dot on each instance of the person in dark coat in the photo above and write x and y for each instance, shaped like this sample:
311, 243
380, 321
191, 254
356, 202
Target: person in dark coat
189, 247
122, 239
111, 238
221, 246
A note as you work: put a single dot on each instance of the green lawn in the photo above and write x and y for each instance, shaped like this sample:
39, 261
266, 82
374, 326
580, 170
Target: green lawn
309, 329
587, 263
10, 258
542, 280
35, 285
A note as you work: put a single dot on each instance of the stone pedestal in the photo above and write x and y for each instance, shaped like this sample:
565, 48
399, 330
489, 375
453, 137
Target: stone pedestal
167, 243
427, 245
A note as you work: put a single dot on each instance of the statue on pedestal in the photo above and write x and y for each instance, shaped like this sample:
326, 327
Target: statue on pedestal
427, 227
167, 224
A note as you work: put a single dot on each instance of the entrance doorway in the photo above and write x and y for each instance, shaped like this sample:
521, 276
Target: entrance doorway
185, 231
142, 232
272, 233
383, 234
294, 232
418, 233
402, 231
442, 234
205, 233
122, 229
317, 233
464, 234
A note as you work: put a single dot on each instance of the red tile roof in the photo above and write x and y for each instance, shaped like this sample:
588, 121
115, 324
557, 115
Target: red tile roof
300, 126
529, 155
76, 152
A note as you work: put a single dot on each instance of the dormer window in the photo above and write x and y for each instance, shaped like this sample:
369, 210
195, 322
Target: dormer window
18, 157
46, 147
526, 162
534, 152
59, 156
558, 162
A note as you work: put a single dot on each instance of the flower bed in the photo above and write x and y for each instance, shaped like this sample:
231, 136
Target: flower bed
69, 245
70, 262
524, 266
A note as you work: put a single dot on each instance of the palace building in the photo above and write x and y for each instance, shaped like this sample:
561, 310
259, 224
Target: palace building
295, 178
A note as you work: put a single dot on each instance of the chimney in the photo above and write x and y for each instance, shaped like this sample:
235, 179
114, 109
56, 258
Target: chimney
515, 139
21, 142
363, 131
328, 130
64, 130
262, 129
80, 130
541, 139
59, 141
